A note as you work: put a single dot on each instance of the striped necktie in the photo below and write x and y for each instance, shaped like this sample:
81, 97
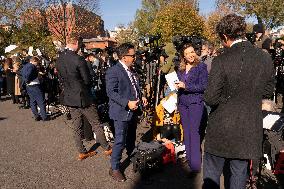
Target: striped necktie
134, 83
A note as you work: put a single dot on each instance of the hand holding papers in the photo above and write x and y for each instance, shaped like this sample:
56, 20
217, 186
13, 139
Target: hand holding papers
172, 78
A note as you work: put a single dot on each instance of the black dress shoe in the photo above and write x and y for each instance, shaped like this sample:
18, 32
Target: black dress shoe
117, 175
46, 119
37, 118
193, 174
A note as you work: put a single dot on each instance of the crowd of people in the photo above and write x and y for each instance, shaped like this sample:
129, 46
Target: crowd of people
227, 86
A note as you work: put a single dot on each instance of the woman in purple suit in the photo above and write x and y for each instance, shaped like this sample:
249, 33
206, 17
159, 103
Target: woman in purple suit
192, 83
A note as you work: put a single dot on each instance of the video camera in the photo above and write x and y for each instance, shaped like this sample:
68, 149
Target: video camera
154, 49
251, 37
195, 41
279, 53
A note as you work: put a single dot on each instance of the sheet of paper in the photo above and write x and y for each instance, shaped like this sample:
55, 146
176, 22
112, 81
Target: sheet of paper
269, 120
172, 78
171, 104
30, 52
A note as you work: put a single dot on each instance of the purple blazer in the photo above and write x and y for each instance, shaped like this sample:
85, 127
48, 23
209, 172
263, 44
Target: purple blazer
195, 84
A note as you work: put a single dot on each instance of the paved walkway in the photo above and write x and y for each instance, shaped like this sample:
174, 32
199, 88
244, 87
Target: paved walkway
42, 155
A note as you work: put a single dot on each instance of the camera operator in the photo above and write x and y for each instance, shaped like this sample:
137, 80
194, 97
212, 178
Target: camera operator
207, 54
90, 59
239, 79
262, 41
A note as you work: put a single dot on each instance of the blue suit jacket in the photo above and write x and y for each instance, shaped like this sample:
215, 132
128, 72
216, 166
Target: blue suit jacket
119, 91
29, 73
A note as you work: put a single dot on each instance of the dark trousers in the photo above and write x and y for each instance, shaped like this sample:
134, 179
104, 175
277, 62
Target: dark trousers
15, 98
37, 99
90, 113
1, 85
125, 136
190, 119
235, 176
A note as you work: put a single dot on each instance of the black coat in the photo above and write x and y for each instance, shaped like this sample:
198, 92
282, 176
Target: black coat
75, 78
10, 79
235, 125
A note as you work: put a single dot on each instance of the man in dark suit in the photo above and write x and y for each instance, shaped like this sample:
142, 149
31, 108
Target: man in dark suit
76, 82
123, 92
239, 79
30, 78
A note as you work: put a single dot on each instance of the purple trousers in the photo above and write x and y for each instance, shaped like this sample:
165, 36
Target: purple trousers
190, 118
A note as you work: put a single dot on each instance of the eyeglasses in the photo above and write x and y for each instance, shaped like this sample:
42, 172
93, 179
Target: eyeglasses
131, 55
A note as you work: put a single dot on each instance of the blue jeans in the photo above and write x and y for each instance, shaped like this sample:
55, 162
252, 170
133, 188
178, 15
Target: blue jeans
213, 167
37, 99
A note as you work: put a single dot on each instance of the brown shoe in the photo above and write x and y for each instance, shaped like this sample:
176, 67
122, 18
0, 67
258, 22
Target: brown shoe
108, 152
117, 175
86, 155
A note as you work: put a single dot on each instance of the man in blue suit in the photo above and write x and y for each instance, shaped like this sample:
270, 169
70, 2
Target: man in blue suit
30, 78
123, 92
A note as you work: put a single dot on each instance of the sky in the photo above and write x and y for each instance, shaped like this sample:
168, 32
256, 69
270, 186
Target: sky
116, 12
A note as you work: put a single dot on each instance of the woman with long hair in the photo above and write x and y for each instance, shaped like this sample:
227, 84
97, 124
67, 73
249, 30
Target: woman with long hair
192, 83
10, 79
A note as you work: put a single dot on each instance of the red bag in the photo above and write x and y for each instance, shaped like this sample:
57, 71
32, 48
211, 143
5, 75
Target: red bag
169, 153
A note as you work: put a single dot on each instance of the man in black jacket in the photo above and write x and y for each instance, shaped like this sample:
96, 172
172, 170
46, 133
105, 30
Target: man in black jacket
239, 79
76, 82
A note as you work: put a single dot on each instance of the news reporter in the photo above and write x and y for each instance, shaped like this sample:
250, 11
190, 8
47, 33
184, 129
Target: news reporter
192, 83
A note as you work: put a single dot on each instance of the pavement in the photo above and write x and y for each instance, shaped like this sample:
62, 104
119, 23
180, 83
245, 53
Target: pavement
43, 155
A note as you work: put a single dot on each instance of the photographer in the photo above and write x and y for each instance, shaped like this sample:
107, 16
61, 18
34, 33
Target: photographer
207, 54
262, 41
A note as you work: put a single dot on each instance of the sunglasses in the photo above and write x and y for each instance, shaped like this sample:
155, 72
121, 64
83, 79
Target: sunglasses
133, 55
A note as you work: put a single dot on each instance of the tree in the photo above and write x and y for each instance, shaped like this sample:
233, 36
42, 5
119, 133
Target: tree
178, 19
269, 12
146, 16
10, 11
127, 34
211, 22
5, 39
65, 18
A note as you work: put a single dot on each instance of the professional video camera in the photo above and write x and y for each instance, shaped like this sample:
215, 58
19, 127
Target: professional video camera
279, 53
154, 49
251, 37
180, 41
